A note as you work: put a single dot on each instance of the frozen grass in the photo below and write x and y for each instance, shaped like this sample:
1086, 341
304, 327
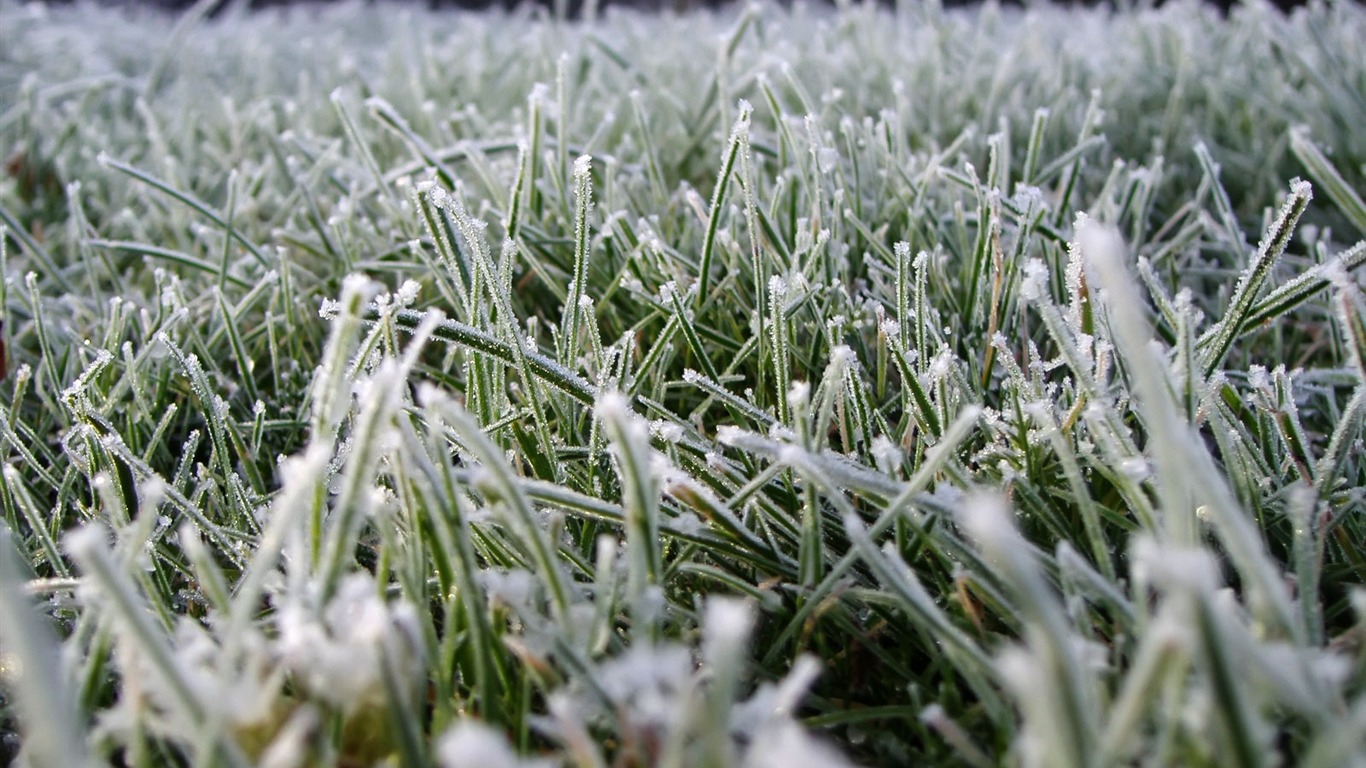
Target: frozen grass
770, 388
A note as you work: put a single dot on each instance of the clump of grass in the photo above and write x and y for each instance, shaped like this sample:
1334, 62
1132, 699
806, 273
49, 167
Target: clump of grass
778, 386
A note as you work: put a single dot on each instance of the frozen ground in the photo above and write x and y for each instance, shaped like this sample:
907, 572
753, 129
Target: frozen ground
770, 387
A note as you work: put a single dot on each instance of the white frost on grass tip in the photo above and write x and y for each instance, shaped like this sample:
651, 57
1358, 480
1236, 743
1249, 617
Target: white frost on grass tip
941, 365
515, 588
842, 355
86, 541
1173, 568
651, 682
1336, 273
799, 395
407, 293
727, 622
786, 745
582, 165
988, 521
827, 159
667, 431
886, 455
1101, 246
338, 655
777, 286
612, 406
729, 434
1034, 284
472, 744
1136, 468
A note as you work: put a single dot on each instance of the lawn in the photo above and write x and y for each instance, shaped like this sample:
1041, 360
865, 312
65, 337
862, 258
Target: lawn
766, 386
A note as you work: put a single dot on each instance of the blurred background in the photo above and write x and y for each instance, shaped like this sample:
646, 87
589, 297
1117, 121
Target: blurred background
653, 5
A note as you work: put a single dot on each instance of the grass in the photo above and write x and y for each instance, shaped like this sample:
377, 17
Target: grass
766, 387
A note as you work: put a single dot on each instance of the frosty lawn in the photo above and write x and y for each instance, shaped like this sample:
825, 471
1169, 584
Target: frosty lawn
777, 387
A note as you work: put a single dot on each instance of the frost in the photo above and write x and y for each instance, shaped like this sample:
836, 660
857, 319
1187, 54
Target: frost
1019, 669
728, 434
1175, 568
988, 520
240, 696
471, 744
777, 286
582, 165
776, 703
940, 365
329, 309
1099, 244
337, 655
540, 95
688, 524
947, 495
1336, 273
1136, 468
827, 159
1034, 284
727, 621
787, 745
407, 293
84, 541
613, 405
650, 682
886, 454
667, 291
667, 431
515, 588
1028, 198
875, 83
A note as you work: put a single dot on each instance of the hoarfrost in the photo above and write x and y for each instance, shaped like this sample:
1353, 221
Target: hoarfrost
472, 744
648, 681
729, 434
1175, 568
1034, 285
408, 292
885, 454
827, 159
786, 745
667, 431
582, 165
1136, 468
727, 621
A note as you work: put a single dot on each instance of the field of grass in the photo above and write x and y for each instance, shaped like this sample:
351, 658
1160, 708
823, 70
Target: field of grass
774, 387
